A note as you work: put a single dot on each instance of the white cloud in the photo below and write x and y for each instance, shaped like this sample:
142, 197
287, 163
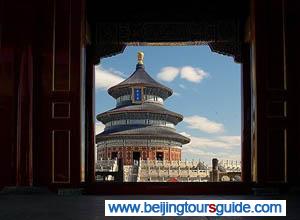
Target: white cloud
182, 86
233, 140
168, 73
99, 127
193, 74
221, 147
223, 142
116, 72
176, 93
106, 78
189, 73
203, 124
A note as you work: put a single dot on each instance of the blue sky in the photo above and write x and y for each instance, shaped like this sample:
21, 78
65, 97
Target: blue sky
207, 92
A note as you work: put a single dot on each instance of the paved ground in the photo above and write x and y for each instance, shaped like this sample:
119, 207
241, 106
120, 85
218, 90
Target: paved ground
85, 207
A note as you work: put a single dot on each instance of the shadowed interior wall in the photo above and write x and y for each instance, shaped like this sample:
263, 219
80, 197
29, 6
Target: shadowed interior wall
42, 65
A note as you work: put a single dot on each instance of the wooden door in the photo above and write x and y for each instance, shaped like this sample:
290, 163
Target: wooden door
269, 93
60, 152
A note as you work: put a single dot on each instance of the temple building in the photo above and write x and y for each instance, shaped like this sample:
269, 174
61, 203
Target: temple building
139, 127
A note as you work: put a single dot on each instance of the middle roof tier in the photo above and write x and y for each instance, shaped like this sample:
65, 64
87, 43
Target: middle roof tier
142, 111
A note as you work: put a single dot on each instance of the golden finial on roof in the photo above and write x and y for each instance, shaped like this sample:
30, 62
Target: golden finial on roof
140, 56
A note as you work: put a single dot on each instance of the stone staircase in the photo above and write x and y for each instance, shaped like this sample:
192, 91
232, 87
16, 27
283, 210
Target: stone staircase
131, 173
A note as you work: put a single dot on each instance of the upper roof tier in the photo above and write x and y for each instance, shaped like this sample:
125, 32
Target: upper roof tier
139, 78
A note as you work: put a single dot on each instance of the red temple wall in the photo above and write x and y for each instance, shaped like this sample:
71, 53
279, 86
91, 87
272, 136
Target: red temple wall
170, 153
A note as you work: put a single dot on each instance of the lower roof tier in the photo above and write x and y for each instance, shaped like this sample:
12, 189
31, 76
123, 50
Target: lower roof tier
148, 132
140, 111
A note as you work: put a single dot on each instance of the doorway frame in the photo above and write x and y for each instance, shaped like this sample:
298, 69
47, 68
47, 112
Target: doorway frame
94, 55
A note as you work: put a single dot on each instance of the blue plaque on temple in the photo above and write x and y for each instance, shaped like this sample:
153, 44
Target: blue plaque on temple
137, 94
